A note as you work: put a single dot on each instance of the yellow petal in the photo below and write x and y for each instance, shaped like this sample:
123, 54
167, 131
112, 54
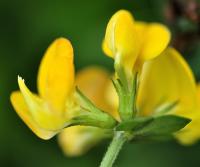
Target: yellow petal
155, 38
165, 79
56, 74
121, 38
22, 110
106, 49
40, 111
77, 140
93, 82
198, 92
191, 133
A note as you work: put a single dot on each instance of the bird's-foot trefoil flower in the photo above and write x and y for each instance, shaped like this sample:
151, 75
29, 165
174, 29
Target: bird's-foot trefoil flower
131, 43
165, 81
155, 90
58, 104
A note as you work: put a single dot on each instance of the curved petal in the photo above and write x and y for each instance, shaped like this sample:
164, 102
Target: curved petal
191, 132
167, 79
106, 49
22, 110
121, 38
56, 74
40, 112
93, 82
155, 38
77, 140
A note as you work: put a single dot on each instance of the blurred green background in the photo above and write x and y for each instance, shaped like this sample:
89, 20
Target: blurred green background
26, 30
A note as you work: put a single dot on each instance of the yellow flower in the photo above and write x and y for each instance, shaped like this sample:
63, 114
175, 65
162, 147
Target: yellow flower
59, 104
168, 79
77, 140
131, 43
165, 80
45, 114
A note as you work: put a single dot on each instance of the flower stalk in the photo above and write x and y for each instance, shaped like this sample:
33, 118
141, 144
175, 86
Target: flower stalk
113, 150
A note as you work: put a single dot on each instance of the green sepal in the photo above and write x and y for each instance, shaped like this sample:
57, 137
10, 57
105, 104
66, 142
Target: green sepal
163, 125
134, 124
127, 97
90, 115
95, 120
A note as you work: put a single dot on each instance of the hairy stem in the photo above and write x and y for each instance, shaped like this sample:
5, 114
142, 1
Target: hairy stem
113, 150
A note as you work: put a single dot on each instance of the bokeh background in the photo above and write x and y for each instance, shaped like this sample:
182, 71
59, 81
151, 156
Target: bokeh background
28, 27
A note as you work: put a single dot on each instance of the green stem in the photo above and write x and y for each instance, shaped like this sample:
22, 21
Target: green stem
113, 150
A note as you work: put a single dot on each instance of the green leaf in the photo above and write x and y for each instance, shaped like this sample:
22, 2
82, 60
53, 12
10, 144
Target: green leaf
163, 125
134, 124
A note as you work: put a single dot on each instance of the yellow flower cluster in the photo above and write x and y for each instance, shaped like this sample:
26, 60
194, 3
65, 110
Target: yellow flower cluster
135, 46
